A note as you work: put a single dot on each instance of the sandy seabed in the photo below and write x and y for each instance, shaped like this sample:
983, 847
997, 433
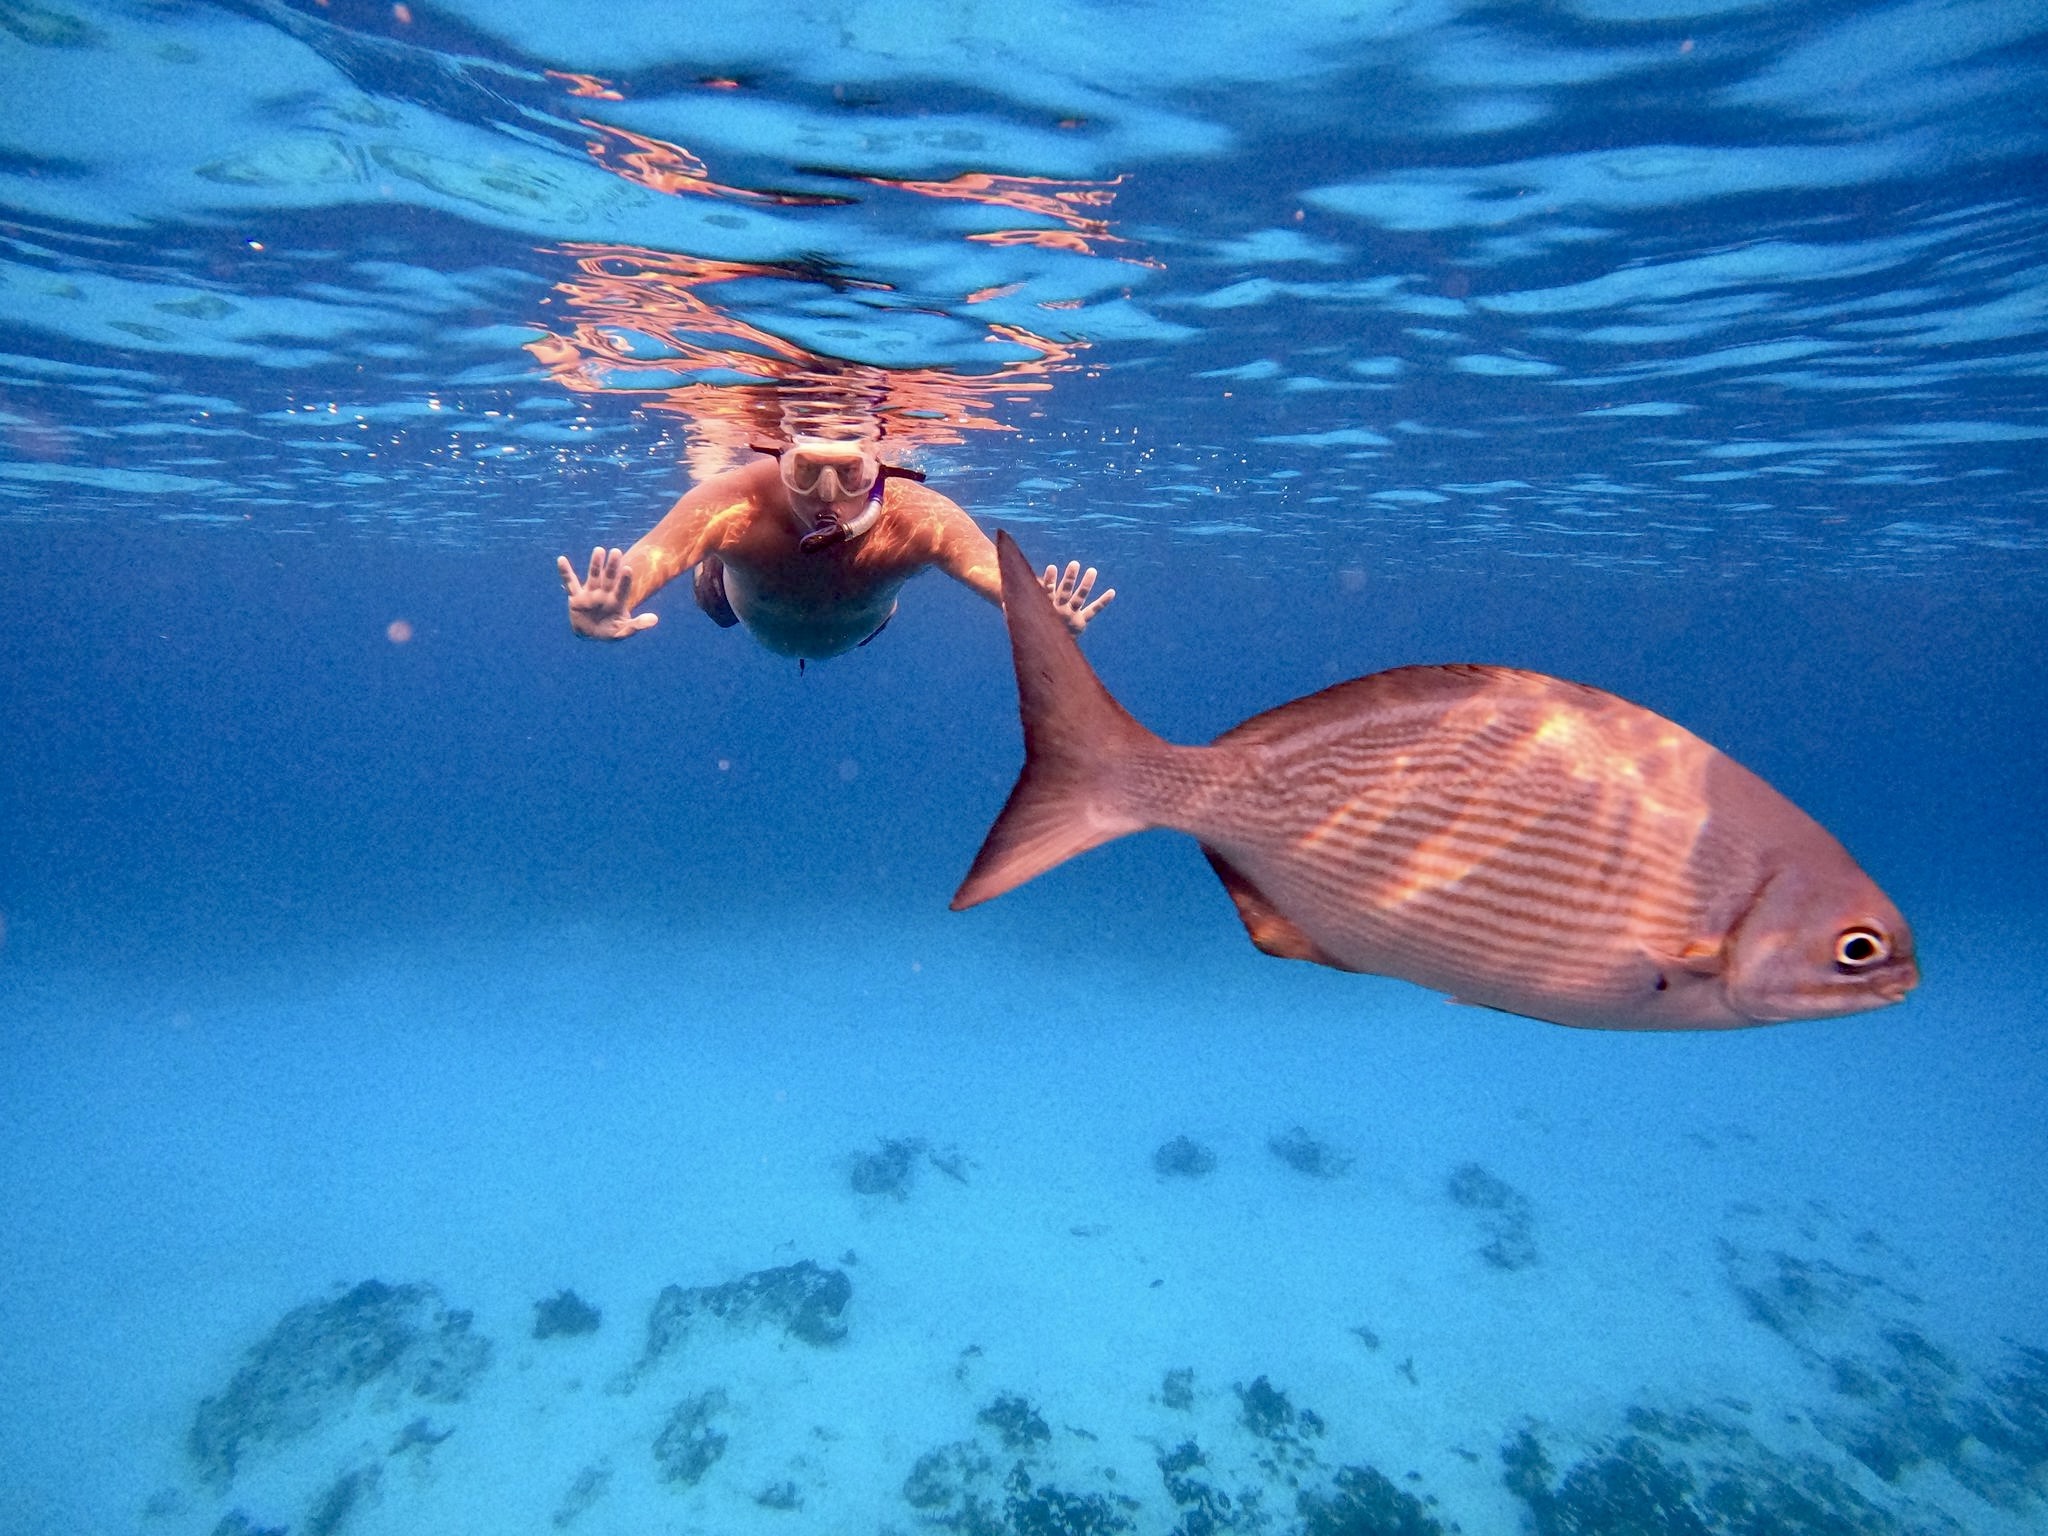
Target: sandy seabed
953, 1234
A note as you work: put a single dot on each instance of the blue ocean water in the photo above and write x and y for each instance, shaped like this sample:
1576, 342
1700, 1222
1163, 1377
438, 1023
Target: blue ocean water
392, 986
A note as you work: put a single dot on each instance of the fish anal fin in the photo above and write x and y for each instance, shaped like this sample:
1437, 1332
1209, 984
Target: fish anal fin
1269, 930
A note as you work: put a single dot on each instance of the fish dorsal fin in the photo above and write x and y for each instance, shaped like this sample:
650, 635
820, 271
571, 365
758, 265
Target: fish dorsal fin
1269, 931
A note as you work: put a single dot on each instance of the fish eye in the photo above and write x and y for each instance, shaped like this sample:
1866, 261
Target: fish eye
1858, 949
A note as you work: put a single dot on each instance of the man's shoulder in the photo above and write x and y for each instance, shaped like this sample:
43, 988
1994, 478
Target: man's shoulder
915, 498
750, 475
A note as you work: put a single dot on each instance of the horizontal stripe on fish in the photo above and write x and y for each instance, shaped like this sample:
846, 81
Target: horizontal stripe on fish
1538, 853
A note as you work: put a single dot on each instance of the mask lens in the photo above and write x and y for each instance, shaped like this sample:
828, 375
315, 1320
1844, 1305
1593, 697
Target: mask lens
829, 477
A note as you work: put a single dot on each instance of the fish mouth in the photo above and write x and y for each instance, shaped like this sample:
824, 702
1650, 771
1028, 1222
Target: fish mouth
1884, 992
1866, 995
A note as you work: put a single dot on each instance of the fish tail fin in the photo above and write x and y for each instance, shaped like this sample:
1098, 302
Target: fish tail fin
1075, 790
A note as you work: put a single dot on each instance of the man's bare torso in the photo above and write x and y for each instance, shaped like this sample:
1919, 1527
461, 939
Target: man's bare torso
823, 601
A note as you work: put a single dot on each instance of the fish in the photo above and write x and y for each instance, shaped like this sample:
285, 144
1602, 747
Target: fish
1515, 840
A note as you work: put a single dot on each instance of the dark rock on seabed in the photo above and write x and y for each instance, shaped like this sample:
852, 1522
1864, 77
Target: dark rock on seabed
1046, 1510
1505, 1216
1899, 1401
891, 1169
1017, 1477
1794, 1296
956, 1488
1694, 1475
2009, 1419
1264, 1410
803, 1299
1183, 1158
420, 1436
1205, 1509
1363, 1501
564, 1314
589, 1486
1346, 1501
942, 1477
331, 1511
689, 1443
1017, 1423
310, 1366
1305, 1154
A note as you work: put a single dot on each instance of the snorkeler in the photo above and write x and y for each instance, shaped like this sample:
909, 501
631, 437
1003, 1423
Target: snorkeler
808, 549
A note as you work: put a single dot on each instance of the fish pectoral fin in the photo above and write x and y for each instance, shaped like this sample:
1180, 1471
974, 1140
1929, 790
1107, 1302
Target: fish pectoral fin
1701, 957
1269, 931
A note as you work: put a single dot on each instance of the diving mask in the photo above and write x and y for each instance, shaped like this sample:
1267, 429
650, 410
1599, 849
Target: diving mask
828, 471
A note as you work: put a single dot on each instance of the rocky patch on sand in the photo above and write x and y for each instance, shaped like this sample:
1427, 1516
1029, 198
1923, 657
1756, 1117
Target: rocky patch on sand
1308, 1154
892, 1167
1695, 1473
1899, 1399
397, 1341
1263, 1472
1505, 1217
1183, 1158
803, 1301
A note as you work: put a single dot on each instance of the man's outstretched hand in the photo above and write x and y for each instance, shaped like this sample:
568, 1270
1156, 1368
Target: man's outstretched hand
601, 604
1069, 594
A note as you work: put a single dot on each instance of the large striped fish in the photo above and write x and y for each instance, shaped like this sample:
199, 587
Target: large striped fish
1515, 840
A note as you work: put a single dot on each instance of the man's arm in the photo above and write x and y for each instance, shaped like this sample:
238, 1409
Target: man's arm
697, 525
959, 547
968, 555
601, 605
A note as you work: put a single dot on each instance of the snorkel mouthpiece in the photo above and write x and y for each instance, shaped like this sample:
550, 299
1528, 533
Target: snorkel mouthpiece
828, 530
